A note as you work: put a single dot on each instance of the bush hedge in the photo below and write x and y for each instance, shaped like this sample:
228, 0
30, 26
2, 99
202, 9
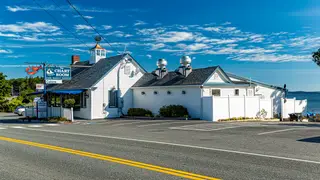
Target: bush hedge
173, 111
139, 112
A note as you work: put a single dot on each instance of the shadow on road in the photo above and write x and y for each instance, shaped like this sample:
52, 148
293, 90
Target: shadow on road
311, 140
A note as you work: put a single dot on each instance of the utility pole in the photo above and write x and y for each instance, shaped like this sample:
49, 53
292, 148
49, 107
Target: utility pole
43, 64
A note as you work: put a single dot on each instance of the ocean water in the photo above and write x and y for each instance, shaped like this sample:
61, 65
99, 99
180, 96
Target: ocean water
312, 97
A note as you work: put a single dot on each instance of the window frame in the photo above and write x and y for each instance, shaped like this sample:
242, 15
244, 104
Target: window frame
113, 94
236, 92
215, 90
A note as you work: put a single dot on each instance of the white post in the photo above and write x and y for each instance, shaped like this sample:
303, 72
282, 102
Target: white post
282, 109
212, 103
229, 106
244, 105
294, 105
259, 99
71, 114
271, 113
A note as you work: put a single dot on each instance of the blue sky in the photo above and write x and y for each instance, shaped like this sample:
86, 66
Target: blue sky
270, 41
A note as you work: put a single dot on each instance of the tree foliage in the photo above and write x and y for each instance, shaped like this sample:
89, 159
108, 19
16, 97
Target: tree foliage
316, 57
19, 89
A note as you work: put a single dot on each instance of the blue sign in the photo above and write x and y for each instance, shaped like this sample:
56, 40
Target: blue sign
58, 73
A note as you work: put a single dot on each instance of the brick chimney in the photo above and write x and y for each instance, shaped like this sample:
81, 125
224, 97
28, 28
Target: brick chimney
75, 59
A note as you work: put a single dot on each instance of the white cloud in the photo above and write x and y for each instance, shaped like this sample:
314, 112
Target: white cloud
16, 8
276, 46
8, 35
26, 27
215, 29
226, 23
157, 46
138, 23
175, 36
272, 57
118, 34
122, 26
79, 50
305, 42
87, 17
15, 56
193, 58
149, 56
3, 51
256, 38
107, 27
82, 27
193, 47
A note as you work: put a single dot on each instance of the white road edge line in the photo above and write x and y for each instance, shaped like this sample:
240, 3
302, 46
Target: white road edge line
282, 130
155, 124
122, 124
180, 145
17, 127
196, 129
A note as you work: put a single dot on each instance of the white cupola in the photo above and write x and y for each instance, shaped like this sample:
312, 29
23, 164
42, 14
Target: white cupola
97, 52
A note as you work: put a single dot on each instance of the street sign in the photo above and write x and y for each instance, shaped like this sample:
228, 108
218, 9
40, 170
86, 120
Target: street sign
58, 73
49, 81
39, 87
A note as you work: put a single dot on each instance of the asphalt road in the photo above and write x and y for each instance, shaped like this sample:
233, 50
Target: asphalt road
167, 149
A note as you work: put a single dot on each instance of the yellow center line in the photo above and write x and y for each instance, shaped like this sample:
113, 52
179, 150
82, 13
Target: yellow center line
141, 165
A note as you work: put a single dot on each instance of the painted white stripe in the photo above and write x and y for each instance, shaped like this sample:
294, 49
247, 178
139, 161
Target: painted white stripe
180, 145
282, 130
197, 129
52, 124
156, 124
17, 127
2, 128
121, 124
35, 126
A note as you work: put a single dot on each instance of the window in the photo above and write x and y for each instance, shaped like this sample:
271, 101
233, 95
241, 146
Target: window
168, 92
98, 52
250, 92
236, 92
143, 93
103, 52
215, 92
184, 92
127, 70
113, 100
155, 92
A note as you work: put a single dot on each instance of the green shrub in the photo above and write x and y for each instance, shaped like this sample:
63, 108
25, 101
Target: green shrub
173, 111
139, 112
69, 103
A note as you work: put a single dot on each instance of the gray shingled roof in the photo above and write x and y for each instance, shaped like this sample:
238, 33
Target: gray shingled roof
196, 77
86, 77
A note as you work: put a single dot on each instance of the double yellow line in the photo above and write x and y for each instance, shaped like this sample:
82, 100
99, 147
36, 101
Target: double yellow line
150, 167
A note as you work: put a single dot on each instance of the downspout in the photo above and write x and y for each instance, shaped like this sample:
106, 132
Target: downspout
120, 104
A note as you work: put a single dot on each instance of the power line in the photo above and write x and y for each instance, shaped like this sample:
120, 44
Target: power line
75, 36
74, 8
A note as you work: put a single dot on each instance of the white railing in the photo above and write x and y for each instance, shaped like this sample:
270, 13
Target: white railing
215, 108
52, 112
289, 106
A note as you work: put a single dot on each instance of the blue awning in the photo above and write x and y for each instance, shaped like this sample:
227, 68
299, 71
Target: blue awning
71, 91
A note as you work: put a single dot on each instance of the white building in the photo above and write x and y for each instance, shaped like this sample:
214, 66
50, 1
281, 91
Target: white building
106, 87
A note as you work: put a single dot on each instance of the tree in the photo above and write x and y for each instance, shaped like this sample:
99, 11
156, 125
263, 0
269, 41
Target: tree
5, 87
316, 57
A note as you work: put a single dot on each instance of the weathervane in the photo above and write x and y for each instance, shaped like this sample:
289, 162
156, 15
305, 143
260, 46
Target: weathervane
97, 39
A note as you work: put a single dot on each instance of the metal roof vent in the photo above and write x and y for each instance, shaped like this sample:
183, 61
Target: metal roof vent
185, 66
162, 63
161, 71
185, 61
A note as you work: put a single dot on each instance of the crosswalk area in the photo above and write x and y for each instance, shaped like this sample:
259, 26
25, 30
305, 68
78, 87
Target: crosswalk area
22, 126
